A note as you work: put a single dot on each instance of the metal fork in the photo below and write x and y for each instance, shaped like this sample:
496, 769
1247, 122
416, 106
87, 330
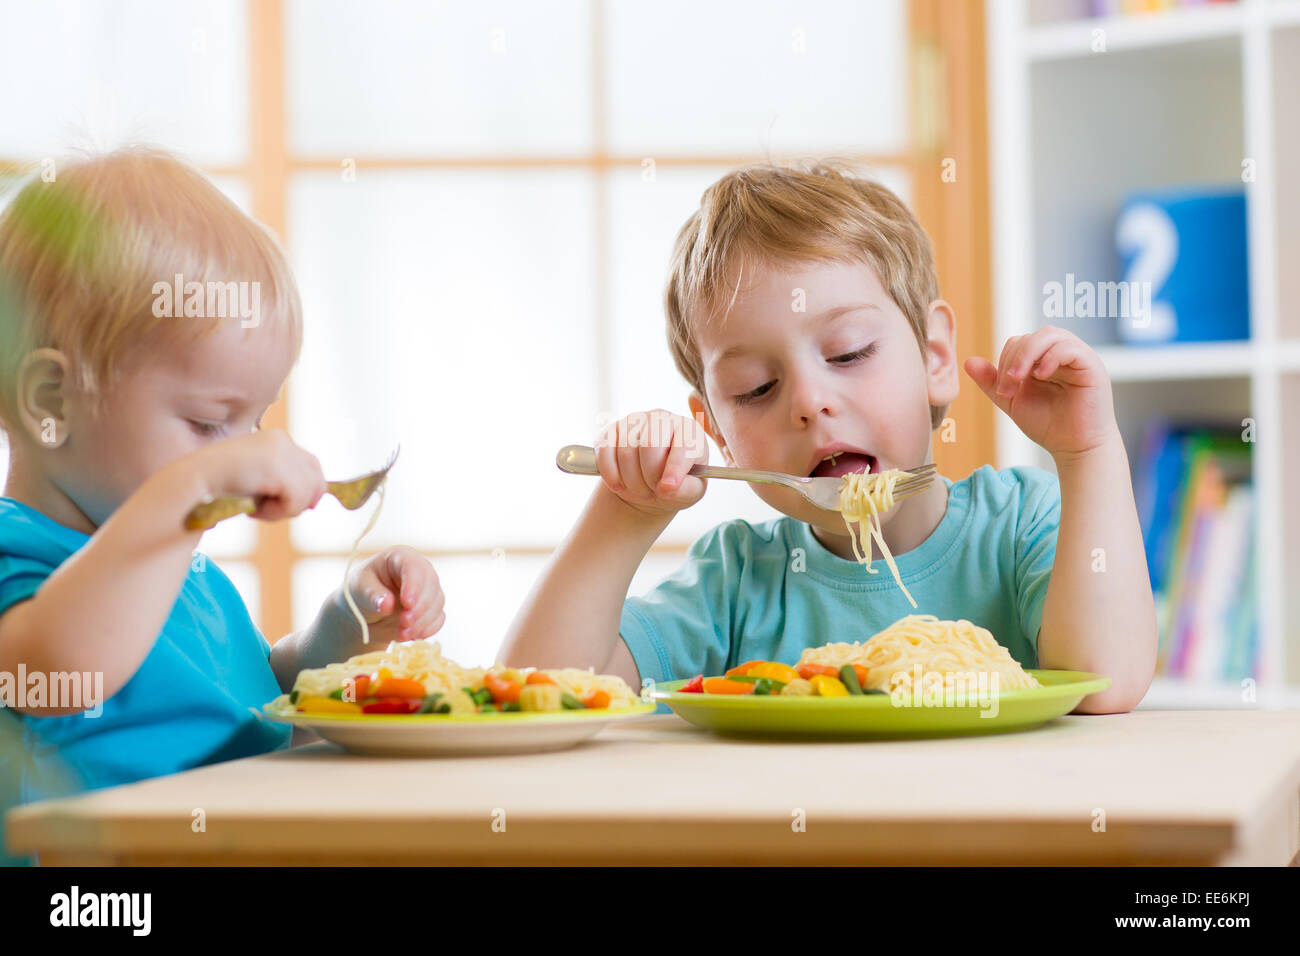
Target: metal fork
823, 492
351, 494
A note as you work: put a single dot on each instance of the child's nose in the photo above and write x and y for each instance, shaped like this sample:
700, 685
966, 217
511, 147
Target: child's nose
809, 399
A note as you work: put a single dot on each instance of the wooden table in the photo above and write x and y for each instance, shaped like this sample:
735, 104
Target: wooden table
1187, 787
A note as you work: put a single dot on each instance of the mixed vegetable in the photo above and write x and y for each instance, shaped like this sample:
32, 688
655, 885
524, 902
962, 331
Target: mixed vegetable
768, 678
503, 690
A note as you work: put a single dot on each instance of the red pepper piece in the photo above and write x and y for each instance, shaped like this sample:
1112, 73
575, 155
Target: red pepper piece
391, 705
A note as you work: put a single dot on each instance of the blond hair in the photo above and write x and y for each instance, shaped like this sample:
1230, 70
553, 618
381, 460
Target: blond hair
767, 214
80, 257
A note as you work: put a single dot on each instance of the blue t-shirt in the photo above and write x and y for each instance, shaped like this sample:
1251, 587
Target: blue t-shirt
767, 591
186, 706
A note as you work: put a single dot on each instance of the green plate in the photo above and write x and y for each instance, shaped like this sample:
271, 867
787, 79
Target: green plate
879, 715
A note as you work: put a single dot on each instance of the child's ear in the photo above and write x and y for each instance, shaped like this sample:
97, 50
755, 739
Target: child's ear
42, 406
700, 412
942, 380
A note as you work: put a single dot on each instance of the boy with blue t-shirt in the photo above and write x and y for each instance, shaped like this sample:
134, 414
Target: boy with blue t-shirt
124, 654
804, 312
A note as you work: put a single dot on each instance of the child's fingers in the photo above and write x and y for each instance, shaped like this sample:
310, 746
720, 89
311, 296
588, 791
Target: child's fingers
985, 375
371, 595
428, 603
435, 626
1007, 348
426, 624
607, 464
981, 370
412, 575
675, 463
630, 474
1049, 362
1020, 366
1007, 382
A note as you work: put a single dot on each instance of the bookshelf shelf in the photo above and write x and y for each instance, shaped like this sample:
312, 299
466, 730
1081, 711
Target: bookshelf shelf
1179, 97
1075, 38
1188, 360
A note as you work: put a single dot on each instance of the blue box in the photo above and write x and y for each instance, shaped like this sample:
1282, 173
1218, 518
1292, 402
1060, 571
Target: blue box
1184, 261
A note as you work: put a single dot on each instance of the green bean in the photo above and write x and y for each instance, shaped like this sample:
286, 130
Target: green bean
849, 678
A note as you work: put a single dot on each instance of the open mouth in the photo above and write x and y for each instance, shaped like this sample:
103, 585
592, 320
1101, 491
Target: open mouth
845, 463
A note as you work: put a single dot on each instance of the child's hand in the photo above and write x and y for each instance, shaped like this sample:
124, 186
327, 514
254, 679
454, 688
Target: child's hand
643, 459
398, 593
266, 465
1054, 387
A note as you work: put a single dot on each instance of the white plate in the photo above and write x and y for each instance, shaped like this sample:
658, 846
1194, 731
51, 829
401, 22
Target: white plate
434, 734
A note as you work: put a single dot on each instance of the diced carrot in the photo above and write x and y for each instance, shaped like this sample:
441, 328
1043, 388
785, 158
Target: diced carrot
537, 677
398, 687
720, 685
809, 671
596, 700
356, 688
502, 689
740, 670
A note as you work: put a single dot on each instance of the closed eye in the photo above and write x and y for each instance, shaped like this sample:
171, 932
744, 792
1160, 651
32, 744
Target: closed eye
851, 357
755, 394
206, 429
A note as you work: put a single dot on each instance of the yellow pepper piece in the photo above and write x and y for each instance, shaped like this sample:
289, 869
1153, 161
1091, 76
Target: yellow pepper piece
327, 705
782, 672
824, 685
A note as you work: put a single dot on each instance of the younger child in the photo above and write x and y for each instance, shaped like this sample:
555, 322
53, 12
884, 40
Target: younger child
804, 312
122, 411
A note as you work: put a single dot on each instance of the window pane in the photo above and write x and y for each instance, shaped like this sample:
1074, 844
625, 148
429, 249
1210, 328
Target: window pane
756, 77
237, 190
244, 577
169, 72
645, 216
453, 313
233, 538
402, 78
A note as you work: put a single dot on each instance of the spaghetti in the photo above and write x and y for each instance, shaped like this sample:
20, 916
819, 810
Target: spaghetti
356, 547
921, 644
411, 677
863, 496
411, 660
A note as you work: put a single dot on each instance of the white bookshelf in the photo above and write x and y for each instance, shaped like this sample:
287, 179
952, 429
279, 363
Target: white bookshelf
1178, 97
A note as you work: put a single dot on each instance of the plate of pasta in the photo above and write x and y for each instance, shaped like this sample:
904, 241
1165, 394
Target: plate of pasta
411, 700
919, 677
